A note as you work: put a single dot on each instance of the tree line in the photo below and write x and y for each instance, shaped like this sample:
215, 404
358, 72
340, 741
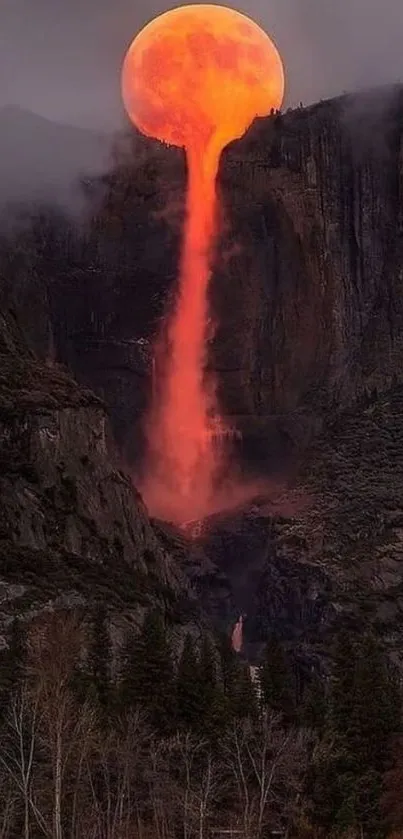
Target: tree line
175, 741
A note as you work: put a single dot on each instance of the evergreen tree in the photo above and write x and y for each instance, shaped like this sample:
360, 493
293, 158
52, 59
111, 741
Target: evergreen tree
17, 651
147, 678
374, 724
363, 719
189, 692
230, 673
312, 713
215, 705
245, 699
341, 701
392, 786
334, 771
211, 691
201, 705
208, 667
239, 694
377, 705
12, 662
99, 657
275, 679
216, 717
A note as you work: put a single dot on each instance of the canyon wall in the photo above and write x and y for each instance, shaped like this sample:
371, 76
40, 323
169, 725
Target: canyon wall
307, 306
315, 202
306, 290
73, 529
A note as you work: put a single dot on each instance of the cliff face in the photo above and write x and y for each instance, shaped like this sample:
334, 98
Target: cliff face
323, 552
318, 194
72, 527
308, 269
307, 298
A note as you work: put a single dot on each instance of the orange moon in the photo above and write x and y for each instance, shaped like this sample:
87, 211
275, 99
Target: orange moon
198, 76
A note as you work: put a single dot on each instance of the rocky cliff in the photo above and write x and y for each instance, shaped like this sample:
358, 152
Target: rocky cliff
308, 272
319, 193
73, 530
320, 552
308, 269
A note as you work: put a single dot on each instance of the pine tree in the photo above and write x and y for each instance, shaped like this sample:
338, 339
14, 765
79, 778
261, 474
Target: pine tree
147, 678
333, 774
275, 679
208, 667
245, 699
341, 702
377, 705
392, 786
375, 723
99, 657
189, 691
312, 713
364, 717
17, 650
216, 718
12, 662
230, 671
215, 708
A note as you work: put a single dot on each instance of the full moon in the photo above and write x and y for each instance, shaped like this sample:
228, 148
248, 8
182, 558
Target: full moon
200, 74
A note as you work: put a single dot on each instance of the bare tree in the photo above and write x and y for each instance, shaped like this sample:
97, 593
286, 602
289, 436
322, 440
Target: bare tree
18, 752
10, 806
83, 743
162, 791
198, 780
266, 763
53, 649
115, 776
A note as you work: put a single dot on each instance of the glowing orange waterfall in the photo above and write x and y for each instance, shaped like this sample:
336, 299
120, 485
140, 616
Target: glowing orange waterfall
195, 77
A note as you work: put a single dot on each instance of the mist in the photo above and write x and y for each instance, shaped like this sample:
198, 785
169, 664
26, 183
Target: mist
43, 162
62, 61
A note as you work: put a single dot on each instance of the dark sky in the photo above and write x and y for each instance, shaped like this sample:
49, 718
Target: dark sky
62, 58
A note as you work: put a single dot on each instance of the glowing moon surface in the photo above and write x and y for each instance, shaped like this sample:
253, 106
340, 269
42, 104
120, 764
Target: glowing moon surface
198, 72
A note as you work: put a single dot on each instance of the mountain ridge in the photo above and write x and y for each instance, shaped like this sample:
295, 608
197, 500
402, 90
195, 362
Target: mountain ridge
43, 160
